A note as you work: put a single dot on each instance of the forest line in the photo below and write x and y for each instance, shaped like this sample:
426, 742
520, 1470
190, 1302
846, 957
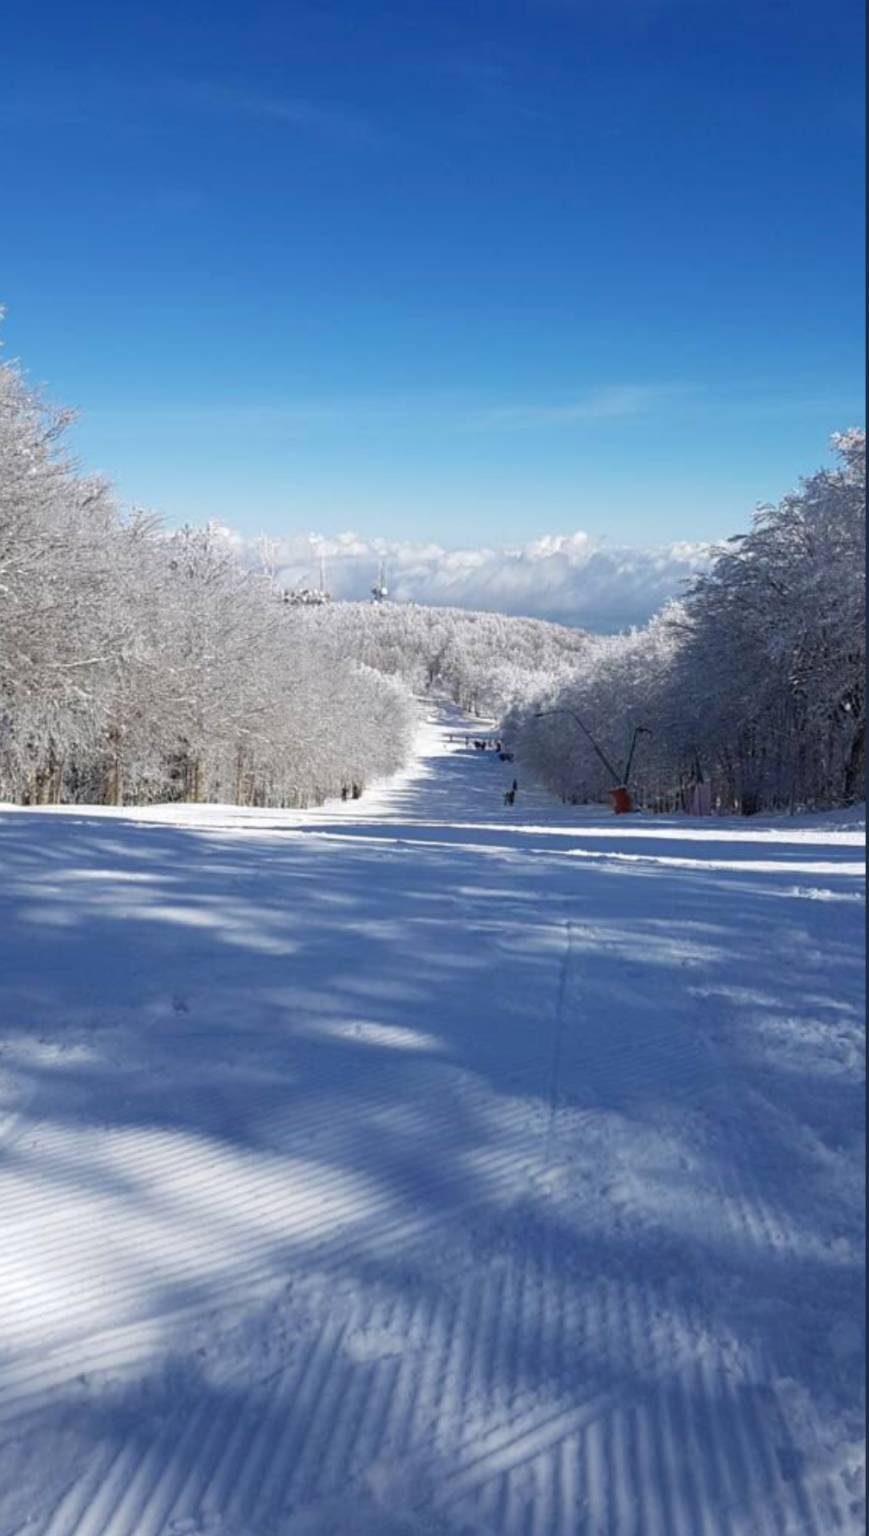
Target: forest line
139, 665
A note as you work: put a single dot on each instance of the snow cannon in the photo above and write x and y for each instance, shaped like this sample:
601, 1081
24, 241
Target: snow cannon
621, 799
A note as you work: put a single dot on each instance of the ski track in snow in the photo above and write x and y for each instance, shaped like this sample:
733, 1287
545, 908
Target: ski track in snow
414, 1166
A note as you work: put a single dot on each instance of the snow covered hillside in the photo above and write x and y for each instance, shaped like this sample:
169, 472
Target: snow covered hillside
424, 1164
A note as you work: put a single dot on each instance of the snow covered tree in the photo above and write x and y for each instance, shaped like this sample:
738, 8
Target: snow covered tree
754, 682
136, 665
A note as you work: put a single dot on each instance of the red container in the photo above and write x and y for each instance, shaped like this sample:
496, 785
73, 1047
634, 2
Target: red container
621, 800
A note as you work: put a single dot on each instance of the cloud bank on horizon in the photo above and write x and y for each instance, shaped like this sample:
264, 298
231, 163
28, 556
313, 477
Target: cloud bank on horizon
568, 578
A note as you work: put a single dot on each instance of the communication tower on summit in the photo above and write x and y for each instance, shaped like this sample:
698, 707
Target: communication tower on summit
311, 597
380, 591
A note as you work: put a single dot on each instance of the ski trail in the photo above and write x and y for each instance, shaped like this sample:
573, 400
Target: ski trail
558, 1040
473, 1188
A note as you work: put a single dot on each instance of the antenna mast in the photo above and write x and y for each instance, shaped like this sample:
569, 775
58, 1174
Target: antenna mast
311, 597
380, 590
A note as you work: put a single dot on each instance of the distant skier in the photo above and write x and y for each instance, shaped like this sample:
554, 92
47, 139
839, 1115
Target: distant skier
510, 797
514, 786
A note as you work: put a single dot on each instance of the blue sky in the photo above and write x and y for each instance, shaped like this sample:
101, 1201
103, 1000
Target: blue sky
439, 269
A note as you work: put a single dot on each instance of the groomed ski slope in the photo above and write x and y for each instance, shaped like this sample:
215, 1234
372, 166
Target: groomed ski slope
422, 1165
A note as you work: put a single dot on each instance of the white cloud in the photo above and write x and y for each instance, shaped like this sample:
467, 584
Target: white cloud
569, 578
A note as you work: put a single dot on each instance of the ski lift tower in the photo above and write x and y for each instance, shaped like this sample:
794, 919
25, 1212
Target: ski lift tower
380, 591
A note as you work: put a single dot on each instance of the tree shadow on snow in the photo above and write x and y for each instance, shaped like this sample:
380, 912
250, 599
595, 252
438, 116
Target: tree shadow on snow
426, 1172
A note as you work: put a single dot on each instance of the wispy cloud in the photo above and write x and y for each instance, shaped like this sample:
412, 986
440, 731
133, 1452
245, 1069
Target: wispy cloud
153, 106
606, 404
443, 410
324, 118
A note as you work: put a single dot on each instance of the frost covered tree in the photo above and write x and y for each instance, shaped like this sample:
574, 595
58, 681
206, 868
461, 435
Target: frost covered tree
136, 665
480, 661
778, 627
618, 686
63, 622
754, 682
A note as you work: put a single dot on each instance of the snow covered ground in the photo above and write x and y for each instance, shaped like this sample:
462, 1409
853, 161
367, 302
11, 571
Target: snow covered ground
424, 1165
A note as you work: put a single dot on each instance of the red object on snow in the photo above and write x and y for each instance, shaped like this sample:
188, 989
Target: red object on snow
621, 800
